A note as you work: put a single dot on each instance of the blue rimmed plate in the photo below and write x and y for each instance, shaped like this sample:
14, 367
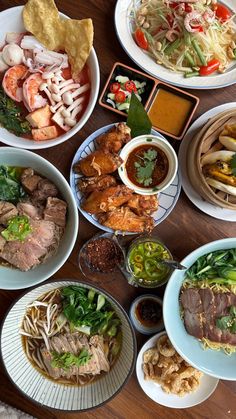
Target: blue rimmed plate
167, 199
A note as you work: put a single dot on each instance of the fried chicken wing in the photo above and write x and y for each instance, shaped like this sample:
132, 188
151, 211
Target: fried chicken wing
107, 200
143, 205
95, 183
98, 163
124, 219
114, 139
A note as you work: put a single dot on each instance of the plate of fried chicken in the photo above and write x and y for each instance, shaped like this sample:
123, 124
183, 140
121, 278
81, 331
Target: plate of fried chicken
100, 194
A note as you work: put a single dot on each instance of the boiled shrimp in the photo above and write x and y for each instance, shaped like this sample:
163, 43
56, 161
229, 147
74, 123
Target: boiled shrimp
191, 18
32, 99
11, 80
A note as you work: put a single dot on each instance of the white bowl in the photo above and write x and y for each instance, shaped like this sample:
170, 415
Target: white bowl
13, 279
145, 330
161, 143
11, 21
48, 393
212, 362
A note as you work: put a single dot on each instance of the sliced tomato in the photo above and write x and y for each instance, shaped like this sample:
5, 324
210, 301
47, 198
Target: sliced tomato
222, 12
173, 5
140, 39
211, 66
130, 86
114, 87
120, 96
188, 8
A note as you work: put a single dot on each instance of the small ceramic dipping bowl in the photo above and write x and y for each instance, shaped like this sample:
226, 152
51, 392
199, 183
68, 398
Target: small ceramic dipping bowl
101, 257
165, 163
170, 109
146, 314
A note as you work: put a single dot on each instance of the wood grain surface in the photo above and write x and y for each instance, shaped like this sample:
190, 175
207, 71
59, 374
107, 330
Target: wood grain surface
184, 230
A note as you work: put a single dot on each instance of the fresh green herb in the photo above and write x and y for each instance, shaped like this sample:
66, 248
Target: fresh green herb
223, 323
145, 167
10, 187
66, 360
138, 120
233, 164
83, 309
217, 267
228, 322
18, 228
10, 116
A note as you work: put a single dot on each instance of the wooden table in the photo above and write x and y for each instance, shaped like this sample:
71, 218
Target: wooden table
184, 230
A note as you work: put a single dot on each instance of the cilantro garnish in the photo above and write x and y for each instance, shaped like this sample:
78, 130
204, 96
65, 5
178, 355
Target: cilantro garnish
67, 359
233, 164
228, 322
145, 167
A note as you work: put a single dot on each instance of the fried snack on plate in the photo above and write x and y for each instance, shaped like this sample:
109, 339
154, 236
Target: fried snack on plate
124, 219
165, 366
87, 185
115, 138
107, 200
98, 163
75, 37
78, 42
41, 18
143, 205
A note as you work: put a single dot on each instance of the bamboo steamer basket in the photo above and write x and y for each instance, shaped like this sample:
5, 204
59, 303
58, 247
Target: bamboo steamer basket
205, 142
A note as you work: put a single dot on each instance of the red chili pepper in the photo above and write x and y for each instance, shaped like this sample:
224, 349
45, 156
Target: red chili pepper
130, 86
120, 96
141, 39
211, 66
222, 12
114, 87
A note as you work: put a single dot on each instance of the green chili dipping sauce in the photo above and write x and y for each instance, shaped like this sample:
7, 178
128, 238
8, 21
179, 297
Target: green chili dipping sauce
144, 263
147, 166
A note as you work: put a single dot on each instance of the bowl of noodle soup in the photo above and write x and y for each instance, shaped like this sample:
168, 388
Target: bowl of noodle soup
87, 366
213, 359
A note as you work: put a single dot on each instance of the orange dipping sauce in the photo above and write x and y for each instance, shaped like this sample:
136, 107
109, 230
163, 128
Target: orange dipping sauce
170, 111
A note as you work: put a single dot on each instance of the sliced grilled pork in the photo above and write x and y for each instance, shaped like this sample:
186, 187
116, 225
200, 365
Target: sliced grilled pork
26, 254
7, 211
56, 211
74, 343
29, 180
200, 319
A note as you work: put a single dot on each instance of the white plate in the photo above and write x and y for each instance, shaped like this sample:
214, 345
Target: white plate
147, 63
195, 198
154, 391
167, 199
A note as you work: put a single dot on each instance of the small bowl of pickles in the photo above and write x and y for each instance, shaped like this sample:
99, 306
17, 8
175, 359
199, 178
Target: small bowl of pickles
144, 263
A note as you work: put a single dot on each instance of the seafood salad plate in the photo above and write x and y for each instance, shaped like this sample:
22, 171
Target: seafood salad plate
49, 82
103, 198
188, 45
187, 388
